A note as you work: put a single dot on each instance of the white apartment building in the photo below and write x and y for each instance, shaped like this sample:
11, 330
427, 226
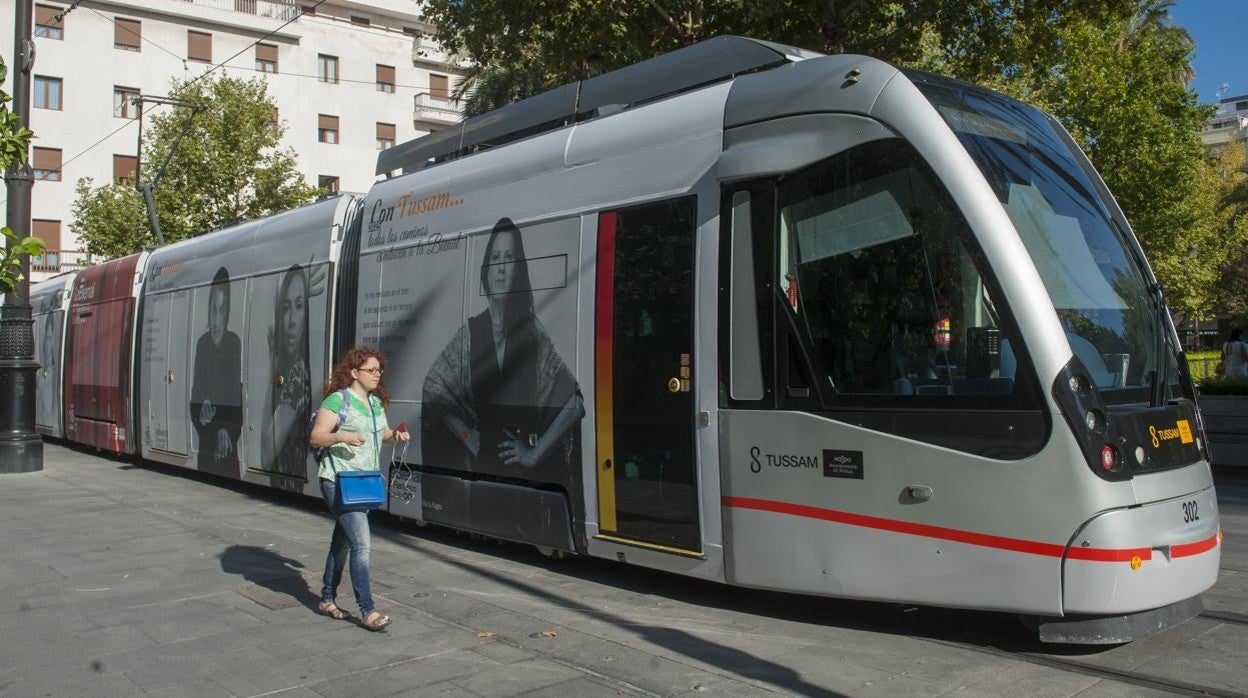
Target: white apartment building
1229, 125
349, 78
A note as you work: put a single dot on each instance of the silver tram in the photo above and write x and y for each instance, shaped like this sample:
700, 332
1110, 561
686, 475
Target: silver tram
741, 312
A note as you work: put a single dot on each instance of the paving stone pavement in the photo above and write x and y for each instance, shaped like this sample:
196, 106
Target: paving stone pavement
124, 579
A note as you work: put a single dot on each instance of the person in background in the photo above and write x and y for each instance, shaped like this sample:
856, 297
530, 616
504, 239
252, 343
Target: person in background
355, 445
1235, 354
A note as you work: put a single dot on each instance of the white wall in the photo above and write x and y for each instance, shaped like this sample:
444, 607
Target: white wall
90, 67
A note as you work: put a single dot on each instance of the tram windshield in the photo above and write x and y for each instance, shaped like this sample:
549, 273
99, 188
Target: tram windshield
1113, 323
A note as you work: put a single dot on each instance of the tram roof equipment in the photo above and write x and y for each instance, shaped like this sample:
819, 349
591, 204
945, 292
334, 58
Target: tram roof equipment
695, 66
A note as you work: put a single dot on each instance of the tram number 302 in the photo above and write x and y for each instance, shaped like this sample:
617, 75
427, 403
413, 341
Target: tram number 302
1189, 512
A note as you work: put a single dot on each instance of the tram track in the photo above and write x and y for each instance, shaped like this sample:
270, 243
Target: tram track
1158, 683
1226, 617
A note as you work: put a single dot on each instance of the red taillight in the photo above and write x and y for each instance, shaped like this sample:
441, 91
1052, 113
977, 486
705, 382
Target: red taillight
1109, 457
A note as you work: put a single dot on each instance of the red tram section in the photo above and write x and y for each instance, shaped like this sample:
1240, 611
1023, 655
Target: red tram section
99, 350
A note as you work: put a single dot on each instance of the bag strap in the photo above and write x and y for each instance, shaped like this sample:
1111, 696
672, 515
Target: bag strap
345, 393
376, 446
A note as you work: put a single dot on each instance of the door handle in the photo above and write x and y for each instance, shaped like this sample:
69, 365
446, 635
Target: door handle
919, 493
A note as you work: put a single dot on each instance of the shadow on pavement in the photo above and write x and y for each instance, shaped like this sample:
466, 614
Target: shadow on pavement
265, 568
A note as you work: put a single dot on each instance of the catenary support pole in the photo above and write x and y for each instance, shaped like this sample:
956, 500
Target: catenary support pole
21, 449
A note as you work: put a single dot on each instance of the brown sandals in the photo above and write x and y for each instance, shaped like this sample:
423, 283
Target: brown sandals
375, 622
329, 608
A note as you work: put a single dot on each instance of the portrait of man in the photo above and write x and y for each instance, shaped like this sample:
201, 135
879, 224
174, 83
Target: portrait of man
216, 389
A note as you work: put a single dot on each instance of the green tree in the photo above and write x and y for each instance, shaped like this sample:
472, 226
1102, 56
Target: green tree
227, 168
14, 145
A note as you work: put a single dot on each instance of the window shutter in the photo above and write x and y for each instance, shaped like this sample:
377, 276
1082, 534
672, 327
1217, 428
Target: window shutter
128, 33
439, 87
48, 231
385, 73
199, 46
326, 121
124, 166
266, 52
385, 131
44, 16
46, 159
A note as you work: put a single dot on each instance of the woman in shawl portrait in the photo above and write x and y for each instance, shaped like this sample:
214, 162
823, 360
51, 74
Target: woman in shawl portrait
499, 399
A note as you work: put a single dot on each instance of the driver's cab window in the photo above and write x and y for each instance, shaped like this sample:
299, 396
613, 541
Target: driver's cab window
874, 269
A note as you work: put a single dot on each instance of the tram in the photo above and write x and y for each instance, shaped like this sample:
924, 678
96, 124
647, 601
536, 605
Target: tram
741, 312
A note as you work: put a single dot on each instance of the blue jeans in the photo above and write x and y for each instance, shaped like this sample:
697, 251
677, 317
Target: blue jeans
350, 536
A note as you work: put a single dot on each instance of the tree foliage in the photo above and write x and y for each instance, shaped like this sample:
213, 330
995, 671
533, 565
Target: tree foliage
227, 168
14, 145
1114, 72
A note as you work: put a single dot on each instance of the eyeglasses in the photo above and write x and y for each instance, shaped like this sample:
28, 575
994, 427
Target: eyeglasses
374, 371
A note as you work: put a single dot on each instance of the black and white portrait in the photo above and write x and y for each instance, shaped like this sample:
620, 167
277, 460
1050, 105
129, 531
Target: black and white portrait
499, 398
216, 387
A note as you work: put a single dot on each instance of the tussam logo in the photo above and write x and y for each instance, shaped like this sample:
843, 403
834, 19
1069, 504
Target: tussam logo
1182, 431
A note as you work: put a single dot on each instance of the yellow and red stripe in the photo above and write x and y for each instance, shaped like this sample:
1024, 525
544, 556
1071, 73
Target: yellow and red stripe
604, 370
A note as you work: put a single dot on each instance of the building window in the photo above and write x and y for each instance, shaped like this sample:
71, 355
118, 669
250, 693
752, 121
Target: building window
439, 87
266, 58
360, 21
47, 164
49, 231
327, 68
127, 34
47, 92
274, 120
198, 46
124, 168
47, 26
385, 136
309, 10
385, 78
123, 102
328, 184
327, 129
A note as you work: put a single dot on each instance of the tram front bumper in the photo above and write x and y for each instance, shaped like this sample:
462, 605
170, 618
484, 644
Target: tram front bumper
1143, 558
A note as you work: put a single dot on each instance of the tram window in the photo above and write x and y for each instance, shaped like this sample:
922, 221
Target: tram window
873, 267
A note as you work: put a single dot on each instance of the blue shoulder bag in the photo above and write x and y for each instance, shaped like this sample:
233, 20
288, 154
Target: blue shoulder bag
361, 490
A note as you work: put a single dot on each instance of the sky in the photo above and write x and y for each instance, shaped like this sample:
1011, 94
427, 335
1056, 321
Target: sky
1220, 28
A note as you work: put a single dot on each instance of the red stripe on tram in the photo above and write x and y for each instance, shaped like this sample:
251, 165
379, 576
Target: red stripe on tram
959, 536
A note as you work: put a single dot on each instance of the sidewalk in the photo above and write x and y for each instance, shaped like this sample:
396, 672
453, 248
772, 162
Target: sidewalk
124, 579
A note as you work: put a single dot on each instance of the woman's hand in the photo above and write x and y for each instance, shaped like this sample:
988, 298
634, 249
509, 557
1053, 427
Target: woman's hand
346, 437
206, 412
512, 452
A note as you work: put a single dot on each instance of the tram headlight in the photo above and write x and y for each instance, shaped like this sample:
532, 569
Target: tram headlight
1094, 420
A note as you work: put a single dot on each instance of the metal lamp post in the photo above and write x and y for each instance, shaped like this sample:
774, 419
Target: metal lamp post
21, 449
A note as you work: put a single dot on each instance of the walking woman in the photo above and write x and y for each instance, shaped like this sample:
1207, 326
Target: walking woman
353, 446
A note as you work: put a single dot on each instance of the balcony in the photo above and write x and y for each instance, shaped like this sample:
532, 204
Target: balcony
273, 9
436, 110
53, 262
427, 51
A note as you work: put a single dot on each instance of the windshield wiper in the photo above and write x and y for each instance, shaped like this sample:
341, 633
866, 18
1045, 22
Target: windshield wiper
1161, 377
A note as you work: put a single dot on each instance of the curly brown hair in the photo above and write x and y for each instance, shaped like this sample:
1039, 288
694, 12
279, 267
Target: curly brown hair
355, 358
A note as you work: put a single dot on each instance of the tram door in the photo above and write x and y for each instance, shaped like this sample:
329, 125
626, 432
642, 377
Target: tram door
168, 322
647, 474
